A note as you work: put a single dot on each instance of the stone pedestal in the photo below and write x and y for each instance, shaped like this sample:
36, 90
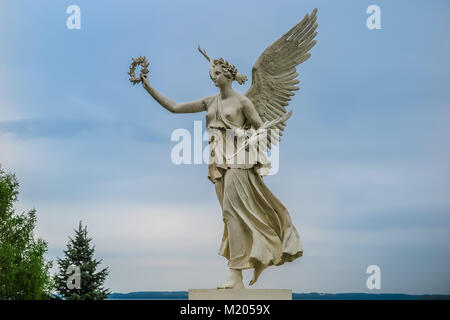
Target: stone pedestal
240, 294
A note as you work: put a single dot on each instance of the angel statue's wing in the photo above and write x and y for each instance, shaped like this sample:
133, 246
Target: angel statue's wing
274, 73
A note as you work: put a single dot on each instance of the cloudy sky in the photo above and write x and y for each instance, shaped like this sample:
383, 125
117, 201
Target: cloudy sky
364, 164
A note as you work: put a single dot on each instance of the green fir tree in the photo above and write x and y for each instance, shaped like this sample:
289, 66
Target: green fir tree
80, 254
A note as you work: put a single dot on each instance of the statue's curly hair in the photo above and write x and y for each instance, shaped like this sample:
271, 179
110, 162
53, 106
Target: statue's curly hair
230, 70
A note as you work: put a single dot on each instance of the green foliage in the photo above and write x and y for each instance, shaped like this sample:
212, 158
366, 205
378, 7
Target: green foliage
80, 253
24, 273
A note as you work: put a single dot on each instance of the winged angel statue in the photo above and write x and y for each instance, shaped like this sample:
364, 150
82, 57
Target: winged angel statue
258, 231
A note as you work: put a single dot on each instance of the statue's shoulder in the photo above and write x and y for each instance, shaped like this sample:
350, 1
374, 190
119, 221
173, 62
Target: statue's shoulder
244, 99
209, 100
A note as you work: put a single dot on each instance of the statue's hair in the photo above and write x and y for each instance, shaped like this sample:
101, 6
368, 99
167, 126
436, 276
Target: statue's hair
230, 70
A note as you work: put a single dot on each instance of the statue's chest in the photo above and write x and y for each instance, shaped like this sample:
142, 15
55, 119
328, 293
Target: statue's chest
230, 110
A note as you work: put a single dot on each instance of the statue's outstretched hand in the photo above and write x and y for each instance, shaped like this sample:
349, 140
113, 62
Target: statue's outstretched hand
145, 81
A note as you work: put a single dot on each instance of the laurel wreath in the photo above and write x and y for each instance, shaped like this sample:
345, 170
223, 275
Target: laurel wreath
139, 61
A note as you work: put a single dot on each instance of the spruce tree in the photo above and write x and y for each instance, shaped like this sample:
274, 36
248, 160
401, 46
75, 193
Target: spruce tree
80, 253
24, 272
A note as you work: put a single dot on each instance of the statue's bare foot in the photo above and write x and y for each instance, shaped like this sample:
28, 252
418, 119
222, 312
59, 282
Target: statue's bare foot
233, 281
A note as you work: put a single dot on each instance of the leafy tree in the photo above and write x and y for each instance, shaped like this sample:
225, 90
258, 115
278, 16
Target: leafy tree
24, 272
80, 254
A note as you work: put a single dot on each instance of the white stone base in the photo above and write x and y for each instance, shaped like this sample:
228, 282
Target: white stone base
240, 294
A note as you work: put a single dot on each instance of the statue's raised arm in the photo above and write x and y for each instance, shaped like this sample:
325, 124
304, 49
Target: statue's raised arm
172, 106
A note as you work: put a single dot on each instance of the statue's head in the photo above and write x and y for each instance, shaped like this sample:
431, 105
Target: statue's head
221, 71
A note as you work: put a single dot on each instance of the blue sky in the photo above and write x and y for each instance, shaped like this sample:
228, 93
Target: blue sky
364, 163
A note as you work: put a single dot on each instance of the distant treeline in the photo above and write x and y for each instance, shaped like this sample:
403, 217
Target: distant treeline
183, 295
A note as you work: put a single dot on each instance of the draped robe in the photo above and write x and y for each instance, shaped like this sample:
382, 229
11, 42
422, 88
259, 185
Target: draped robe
258, 231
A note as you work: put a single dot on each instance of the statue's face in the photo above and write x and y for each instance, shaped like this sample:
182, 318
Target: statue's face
217, 76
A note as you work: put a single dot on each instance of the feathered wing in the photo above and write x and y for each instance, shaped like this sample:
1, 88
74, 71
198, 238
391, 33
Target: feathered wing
274, 73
